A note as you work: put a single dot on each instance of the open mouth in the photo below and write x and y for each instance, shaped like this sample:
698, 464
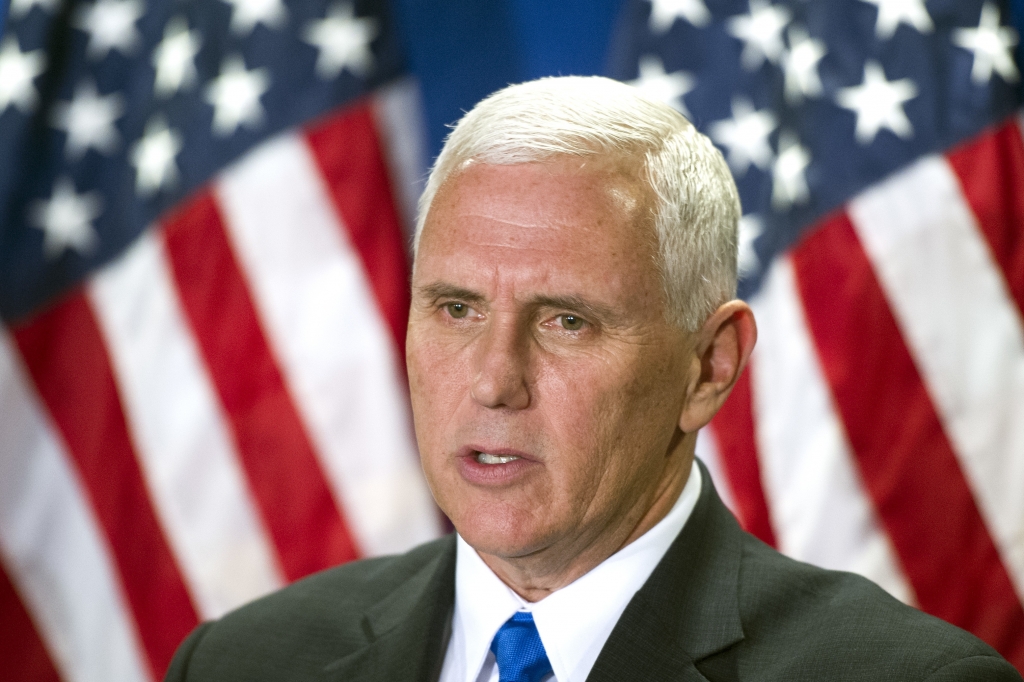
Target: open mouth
493, 465
488, 458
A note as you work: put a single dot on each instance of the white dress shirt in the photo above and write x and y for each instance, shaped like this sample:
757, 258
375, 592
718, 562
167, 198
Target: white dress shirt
574, 622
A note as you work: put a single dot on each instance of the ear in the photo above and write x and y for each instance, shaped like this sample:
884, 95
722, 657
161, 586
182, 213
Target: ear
723, 346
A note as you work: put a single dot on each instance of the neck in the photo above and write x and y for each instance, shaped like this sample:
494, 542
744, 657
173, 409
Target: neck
536, 575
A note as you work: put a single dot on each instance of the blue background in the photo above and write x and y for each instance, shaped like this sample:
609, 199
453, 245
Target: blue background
462, 50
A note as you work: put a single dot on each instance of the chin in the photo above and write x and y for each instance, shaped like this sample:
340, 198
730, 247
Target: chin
504, 534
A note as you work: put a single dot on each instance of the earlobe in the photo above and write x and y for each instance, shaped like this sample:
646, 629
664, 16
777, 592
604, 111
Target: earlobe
722, 350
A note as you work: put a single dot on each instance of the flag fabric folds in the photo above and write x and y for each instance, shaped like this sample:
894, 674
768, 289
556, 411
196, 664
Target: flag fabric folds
203, 279
878, 150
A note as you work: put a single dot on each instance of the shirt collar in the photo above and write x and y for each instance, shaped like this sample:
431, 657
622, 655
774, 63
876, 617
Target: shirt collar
574, 622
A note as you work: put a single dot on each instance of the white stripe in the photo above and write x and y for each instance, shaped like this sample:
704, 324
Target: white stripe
963, 329
338, 358
53, 548
398, 112
819, 508
191, 469
707, 451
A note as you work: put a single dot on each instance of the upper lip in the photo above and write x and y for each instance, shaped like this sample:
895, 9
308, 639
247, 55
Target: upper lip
472, 450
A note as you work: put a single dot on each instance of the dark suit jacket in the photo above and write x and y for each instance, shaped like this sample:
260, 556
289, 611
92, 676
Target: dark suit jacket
720, 606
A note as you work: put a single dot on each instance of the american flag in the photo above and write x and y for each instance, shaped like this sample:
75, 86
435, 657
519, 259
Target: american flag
203, 287
878, 151
203, 282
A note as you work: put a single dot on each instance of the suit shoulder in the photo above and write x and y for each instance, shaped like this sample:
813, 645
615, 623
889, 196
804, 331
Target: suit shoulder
836, 623
322, 612
990, 668
342, 589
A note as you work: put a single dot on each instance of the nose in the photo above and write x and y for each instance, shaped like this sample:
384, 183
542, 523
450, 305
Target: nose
501, 367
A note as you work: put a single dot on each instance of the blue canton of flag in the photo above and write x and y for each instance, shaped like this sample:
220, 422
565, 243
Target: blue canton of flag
112, 111
811, 102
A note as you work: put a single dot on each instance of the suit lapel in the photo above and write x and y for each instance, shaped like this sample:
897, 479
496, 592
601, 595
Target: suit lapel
688, 609
408, 630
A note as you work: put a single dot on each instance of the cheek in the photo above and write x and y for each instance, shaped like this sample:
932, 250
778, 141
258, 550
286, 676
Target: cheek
617, 416
438, 384
582, 409
589, 392
427, 356
426, 384
427, 394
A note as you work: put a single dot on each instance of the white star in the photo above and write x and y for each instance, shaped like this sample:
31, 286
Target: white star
669, 88
153, 158
17, 71
111, 26
174, 58
878, 104
750, 229
665, 12
991, 44
746, 136
343, 42
66, 219
245, 14
761, 32
235, 96
20, 8
893, 12
800, 65
789, 180
89, 120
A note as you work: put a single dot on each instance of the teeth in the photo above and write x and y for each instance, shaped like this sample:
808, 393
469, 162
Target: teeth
487, 458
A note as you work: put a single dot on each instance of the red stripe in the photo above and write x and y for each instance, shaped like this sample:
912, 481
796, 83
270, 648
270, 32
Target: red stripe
65, 354
991, 171
734, 433
347, 148
22, 653
281, 464
906, 459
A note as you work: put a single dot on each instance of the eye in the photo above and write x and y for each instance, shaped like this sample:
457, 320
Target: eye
571, 322
457, 310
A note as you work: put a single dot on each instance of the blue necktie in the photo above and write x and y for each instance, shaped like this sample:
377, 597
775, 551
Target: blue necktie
519, 651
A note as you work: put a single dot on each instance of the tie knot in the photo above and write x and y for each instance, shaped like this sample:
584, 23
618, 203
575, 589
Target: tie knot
518, 650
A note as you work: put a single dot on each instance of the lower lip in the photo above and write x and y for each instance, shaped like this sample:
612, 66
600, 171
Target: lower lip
494, 474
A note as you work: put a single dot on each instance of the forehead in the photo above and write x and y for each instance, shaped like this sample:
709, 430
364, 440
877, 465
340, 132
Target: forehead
542, 218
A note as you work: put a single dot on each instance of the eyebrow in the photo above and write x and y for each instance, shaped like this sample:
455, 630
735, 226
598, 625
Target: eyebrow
589, 309
574, 302
437, 290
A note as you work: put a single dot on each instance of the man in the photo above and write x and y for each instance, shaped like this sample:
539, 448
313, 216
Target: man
572, 328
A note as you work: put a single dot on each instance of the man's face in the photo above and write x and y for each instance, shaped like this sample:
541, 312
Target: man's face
546, 383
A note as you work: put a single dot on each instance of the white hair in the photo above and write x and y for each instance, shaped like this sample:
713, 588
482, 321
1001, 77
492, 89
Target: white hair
697, 208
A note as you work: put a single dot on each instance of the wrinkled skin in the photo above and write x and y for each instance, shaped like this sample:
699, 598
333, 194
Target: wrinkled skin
537, 331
